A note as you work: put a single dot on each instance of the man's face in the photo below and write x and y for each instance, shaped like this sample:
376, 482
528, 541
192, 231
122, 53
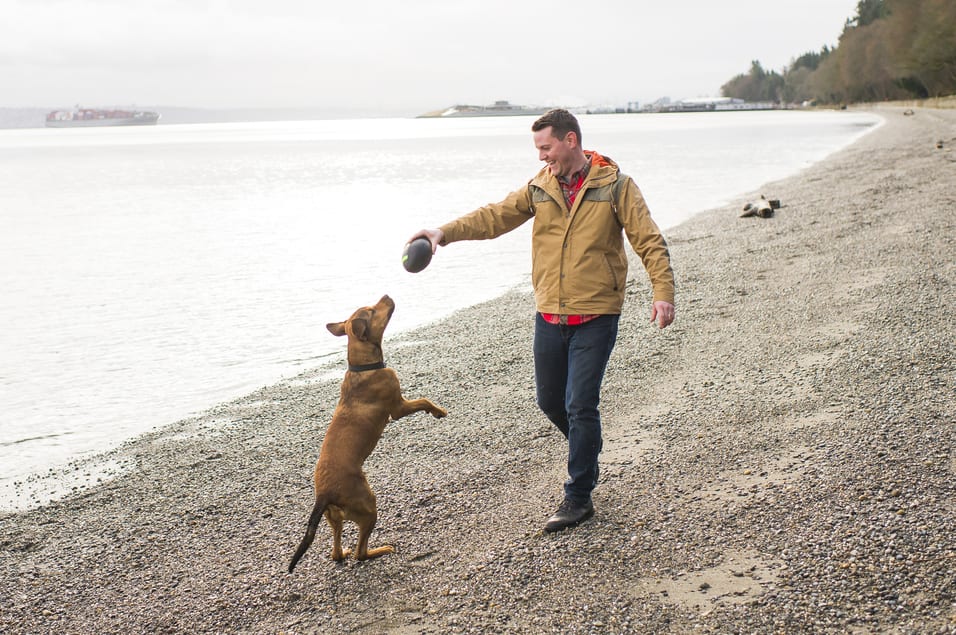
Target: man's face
559, 154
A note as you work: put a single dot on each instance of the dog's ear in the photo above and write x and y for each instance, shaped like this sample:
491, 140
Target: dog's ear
360, 329
336, 328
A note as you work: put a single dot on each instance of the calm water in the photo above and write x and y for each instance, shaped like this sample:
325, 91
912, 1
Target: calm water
149, 273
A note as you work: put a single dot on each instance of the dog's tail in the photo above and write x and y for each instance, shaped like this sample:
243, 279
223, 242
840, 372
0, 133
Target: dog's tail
320, 504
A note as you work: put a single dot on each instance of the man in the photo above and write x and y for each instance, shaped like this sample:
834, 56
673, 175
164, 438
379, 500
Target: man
582, 208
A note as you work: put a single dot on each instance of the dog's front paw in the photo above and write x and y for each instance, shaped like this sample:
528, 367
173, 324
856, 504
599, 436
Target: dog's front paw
438, 413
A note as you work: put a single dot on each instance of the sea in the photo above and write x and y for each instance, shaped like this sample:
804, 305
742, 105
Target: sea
149, 273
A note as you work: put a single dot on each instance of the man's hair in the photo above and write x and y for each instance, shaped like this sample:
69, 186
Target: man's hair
561, 122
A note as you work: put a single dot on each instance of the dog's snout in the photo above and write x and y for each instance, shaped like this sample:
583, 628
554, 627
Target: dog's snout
388, 303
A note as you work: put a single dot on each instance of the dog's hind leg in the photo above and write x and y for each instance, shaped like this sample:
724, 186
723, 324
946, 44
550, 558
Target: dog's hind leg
362, 552
366, 518
336, 520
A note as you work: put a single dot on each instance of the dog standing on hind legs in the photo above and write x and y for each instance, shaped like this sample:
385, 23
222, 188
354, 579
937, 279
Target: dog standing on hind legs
370, 396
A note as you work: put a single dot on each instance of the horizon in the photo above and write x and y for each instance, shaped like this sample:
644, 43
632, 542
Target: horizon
34, 116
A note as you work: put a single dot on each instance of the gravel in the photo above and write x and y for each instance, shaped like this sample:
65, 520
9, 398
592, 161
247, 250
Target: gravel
780, 460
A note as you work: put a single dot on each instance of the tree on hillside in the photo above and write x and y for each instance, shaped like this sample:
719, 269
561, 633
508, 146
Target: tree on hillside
901, 32
868, 12
906, 49
798, 78
930, 57
758, 85
810, 60
891, 49
864, 63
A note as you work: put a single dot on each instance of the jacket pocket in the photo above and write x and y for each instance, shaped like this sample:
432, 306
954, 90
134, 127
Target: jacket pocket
610, 272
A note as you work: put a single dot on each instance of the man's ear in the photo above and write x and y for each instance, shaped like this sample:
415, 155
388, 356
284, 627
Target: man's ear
336, 328
360, 329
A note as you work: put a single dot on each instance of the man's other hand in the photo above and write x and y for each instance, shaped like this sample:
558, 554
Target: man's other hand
662, 313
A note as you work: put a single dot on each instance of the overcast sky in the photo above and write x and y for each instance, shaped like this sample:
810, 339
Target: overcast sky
400, 56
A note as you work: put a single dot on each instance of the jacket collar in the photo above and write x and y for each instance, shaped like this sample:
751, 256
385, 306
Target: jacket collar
603, 171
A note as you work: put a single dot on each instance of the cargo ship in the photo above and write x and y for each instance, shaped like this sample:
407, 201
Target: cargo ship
90, 117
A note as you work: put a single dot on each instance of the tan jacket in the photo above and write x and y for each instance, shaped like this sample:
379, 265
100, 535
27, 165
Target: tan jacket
579, 265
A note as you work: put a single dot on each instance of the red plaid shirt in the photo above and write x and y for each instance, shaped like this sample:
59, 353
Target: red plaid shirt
570, 320
570, 187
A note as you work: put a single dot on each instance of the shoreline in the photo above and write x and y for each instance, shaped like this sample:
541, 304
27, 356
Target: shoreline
770, 459
43, 462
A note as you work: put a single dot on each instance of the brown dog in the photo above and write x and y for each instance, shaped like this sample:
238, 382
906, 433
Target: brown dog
370, 395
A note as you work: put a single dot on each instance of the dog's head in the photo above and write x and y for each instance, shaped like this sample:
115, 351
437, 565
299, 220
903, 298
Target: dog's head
367, 324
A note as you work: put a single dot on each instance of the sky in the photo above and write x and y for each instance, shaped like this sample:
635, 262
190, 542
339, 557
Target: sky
399, 56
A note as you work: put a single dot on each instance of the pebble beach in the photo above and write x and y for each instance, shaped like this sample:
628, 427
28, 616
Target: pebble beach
779, 460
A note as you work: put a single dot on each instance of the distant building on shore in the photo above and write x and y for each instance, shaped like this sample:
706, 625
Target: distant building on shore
664, 104
498, 109
631, 106
707, 104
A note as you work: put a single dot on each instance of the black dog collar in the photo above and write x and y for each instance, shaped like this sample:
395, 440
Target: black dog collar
361, 368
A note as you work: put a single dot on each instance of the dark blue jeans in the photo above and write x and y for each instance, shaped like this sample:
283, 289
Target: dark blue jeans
569, 364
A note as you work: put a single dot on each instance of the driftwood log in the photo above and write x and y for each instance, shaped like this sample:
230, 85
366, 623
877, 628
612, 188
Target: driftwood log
761, 207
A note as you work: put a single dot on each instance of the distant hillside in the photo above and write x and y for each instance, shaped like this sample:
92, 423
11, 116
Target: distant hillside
890, 50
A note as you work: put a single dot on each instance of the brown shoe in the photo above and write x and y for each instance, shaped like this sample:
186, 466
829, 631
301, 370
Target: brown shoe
569, 514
